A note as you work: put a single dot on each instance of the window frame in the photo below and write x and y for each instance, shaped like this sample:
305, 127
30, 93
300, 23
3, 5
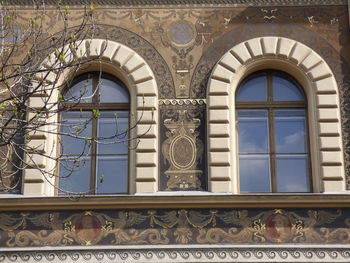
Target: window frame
95, 76
270, 105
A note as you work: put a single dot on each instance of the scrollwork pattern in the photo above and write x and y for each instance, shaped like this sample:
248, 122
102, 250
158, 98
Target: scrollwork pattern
186, 255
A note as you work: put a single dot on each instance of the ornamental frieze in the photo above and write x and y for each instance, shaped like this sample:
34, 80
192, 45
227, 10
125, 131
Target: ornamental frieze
178, 226
194, 2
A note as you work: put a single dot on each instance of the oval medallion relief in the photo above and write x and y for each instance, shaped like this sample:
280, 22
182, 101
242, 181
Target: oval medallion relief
182, 152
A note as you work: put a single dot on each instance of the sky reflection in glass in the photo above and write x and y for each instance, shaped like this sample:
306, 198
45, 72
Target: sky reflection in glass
77, 126
290, 131
285, 90
253, 90
253, 131
75, 174
254, 173
112, 92
112, 127
81, 92
292, 171
112, 174
112, 159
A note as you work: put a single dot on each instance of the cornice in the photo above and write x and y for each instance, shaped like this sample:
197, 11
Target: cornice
173, 201
154, 3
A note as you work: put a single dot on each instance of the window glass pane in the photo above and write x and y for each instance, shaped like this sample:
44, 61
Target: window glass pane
75, 174
11, 35
253, 90
112, 127
80, 92
254, 173
253, 131
112, 174
290, 131
292, 173
77, 126
285, 90
112, 92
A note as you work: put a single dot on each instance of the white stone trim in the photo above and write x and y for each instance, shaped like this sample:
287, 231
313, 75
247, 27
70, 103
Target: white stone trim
131, 68
176, 253
321, 89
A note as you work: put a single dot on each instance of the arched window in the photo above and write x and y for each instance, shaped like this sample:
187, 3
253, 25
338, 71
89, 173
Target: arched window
273, 147
94, 136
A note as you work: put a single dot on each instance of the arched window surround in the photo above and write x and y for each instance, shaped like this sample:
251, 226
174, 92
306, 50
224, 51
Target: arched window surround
317, 79
125, 64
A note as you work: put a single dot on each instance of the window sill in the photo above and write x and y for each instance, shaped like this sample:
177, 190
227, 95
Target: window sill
180, 200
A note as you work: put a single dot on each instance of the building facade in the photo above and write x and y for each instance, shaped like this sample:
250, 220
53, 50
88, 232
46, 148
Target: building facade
242, 138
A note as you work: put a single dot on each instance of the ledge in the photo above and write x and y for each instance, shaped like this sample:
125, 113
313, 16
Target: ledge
25, 203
